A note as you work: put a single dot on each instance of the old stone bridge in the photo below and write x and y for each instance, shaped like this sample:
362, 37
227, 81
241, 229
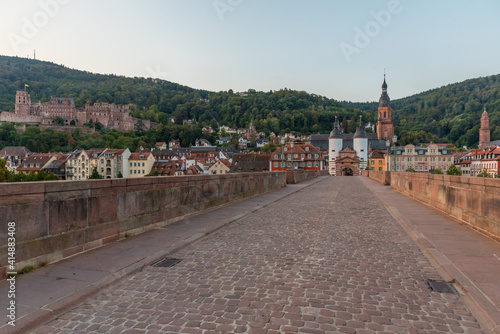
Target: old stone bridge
254, 253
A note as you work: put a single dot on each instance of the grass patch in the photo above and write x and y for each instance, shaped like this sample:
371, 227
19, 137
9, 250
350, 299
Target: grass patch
26, 270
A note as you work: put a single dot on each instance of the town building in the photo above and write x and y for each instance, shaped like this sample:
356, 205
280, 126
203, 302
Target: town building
220, 167
140, 164
377, 160
78, 166
167, 168
224, 140
423, 159
477, 161
205, 153
261, 143
161, 145
14, 155
174, 144
35, 163
296, 156
250, 163
111, 163
57, 167
202, 142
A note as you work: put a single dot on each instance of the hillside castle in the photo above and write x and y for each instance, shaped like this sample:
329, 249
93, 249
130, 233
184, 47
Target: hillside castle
109, 115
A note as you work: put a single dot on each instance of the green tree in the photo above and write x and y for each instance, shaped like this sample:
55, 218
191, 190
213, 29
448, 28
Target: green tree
95, 175
484, 173
437, 171
453, 170
5, 174
58, 120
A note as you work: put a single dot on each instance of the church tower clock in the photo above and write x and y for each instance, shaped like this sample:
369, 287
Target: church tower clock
385, 128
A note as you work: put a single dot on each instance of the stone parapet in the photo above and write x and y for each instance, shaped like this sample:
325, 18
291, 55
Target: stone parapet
380, 177
472, 200
302, 175
58, 219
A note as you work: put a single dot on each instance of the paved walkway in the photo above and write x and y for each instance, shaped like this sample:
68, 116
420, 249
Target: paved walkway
460, 254
319, 257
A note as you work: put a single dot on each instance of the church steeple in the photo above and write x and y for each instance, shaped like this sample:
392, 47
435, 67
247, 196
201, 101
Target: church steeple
385, 128
384, 98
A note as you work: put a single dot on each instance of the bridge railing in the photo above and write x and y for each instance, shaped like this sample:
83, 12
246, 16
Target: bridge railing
55, 220
472, 200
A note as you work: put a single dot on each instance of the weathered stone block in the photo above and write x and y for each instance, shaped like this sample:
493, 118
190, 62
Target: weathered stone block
67, 215
102, 231
134, 222
102, 209
31, 221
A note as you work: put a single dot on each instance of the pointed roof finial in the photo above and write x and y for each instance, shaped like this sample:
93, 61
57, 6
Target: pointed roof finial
384, 85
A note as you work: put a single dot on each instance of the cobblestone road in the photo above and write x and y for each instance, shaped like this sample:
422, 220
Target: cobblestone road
328, 259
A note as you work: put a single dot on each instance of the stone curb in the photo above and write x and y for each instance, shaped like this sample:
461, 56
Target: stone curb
479, 305
56, 308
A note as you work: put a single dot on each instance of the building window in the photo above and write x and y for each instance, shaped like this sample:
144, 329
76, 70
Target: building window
275, 164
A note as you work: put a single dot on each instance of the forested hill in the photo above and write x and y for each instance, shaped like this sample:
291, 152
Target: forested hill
451, 113
279, 111
47, 79
448, 114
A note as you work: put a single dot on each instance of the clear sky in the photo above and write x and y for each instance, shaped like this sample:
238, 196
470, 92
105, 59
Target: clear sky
334, 48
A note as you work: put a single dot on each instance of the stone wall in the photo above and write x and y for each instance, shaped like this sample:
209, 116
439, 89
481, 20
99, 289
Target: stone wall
58, 219
472, 200
16, 118
299, 176
380, 177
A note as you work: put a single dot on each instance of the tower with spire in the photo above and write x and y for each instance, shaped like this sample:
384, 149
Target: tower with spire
360, 143
385, 127
484, 131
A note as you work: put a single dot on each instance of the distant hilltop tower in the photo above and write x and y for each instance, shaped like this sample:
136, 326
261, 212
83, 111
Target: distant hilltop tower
484, 131
385, 128
23, 102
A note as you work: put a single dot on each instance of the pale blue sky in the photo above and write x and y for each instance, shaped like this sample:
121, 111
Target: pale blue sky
310, 45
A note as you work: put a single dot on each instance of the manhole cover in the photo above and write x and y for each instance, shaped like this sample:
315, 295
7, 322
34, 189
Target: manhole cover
167, 263
440, 286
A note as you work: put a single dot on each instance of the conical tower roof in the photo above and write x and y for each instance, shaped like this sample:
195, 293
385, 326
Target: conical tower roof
336, 132
360, 132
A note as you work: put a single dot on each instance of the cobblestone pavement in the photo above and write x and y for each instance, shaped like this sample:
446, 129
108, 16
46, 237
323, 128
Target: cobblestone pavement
328, 259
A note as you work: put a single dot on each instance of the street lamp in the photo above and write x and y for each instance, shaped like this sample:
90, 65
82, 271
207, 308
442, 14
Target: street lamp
394, 140
291, 145
388, 145
282, 155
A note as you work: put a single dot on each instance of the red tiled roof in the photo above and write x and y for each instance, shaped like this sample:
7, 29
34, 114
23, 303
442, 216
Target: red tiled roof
136, 156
